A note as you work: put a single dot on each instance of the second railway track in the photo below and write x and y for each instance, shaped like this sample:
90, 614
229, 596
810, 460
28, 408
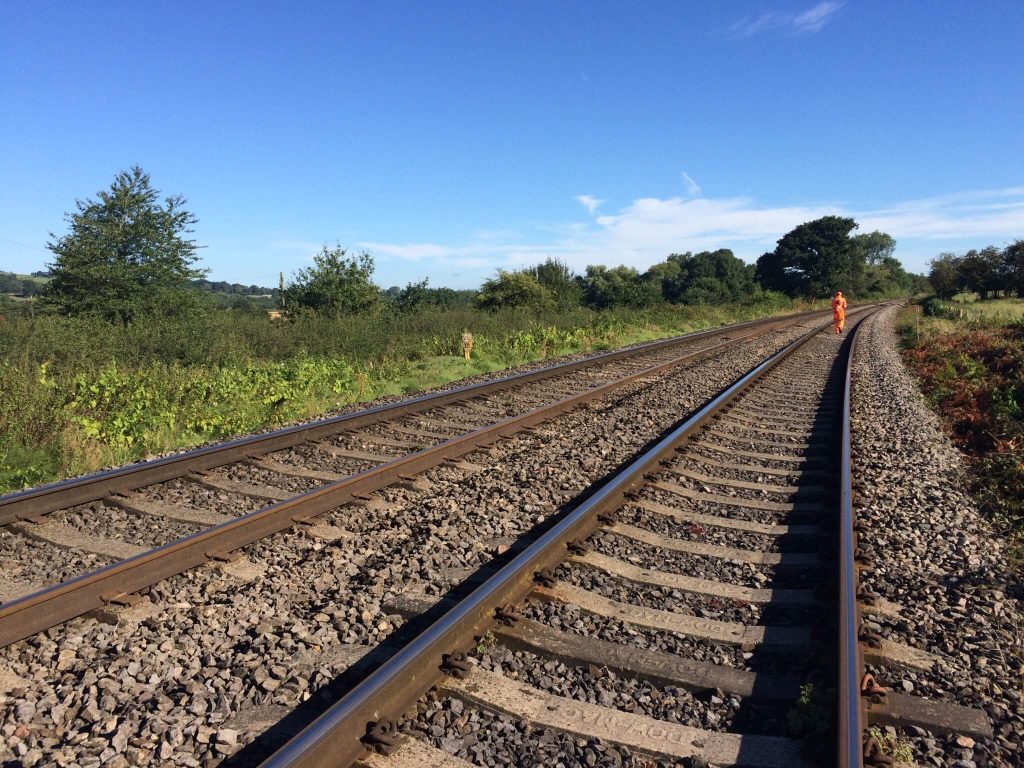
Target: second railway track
164, 517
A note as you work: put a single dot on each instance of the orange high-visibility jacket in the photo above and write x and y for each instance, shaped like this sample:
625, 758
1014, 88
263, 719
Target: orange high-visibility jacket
839, 306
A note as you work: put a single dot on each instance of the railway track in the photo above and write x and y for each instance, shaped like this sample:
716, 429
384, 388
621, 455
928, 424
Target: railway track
701, 606
164, 517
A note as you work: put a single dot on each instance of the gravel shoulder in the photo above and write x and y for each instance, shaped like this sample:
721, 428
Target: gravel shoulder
936, 557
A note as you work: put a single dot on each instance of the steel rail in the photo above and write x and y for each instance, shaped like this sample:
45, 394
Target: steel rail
35, 502
336, 738
851, 715
48, 607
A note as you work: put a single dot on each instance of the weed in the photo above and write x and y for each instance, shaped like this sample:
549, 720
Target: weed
813, 712
485, 643
897, 747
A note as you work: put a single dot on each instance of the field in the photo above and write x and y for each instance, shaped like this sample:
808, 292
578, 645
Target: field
77, 394
971, 368
966, 307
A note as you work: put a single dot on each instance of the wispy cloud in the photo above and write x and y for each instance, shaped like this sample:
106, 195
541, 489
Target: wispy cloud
804, 22
692, 188
815, 18
648, 229
589, 202
990, 213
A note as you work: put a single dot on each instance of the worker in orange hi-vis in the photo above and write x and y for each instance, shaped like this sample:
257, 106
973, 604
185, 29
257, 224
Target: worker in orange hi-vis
838, 311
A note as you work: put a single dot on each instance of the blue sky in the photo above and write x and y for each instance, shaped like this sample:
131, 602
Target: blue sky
452, 138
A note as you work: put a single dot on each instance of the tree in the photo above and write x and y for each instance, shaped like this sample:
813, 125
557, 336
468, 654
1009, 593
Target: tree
981, 271
560, 281
621, 286
414, 296
815, 259
124, 250
944, 275
513, 289
664, 272
337, 284
709, 277
874, 247
9, 283
1013, 267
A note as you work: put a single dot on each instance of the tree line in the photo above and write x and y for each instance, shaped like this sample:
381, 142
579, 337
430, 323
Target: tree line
129, 253
813, 260
989, 272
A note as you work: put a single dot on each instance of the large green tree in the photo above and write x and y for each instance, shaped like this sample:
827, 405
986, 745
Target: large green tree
337, 284
558, 278
875, 247
513, 289
815, 259
944, 275
124, 252
414, 296
621, 286
1013, 267
982, 271
709, 277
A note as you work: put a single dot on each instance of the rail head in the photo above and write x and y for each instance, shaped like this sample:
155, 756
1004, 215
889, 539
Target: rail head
850, 714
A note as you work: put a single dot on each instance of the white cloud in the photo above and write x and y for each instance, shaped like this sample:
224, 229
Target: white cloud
589, 202
992, 213
811, 20
648, 229
692, 188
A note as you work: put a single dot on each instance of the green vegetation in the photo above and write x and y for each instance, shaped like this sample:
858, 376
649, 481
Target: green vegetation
485, 643
970, 364
131, 351
126, 254
513, 289
336, 285
80, 393
706, 278
21, 286
812, 715
898, 748
821, 257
